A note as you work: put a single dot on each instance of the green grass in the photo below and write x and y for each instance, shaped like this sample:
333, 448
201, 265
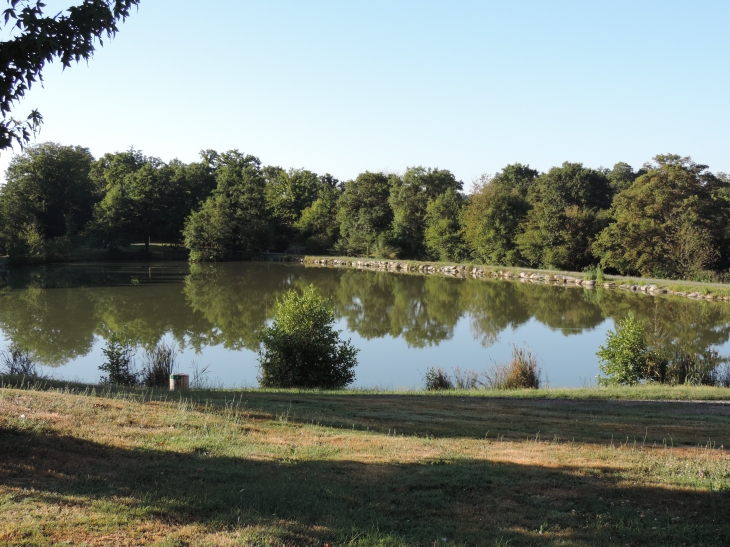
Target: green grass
139, 467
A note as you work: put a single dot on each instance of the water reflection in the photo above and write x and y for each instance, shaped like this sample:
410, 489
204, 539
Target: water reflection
57, 313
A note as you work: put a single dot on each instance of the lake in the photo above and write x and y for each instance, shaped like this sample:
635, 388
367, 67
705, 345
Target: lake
402, 323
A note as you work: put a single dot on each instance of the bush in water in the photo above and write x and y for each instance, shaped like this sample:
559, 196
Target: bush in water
624, 357
301, 347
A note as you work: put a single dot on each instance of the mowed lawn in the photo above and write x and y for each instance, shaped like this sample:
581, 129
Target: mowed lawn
261, 468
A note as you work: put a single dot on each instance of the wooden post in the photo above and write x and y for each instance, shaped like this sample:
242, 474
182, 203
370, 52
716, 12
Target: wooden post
179, 381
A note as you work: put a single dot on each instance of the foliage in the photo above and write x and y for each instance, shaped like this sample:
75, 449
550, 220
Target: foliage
37, 39
119, 365
594, 273
522, 372
157, 366
48, 197
409, 198
364, 214
233, 221
566, 215
672, 222
494, 215
624, 357
301, 347
437, 379
145, 198
317, 226
443, 236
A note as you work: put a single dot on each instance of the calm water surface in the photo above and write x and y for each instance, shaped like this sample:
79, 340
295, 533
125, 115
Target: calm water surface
403, 324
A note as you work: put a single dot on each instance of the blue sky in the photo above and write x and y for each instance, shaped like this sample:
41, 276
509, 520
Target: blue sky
346, 86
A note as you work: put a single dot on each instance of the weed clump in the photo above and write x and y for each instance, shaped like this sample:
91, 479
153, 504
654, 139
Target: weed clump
438, 379
16, 361
522, 372
159, 364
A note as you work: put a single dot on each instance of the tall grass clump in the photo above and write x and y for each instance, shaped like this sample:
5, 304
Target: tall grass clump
16, 361
119, 364
437, 379
594, 273
158, 364
522, 372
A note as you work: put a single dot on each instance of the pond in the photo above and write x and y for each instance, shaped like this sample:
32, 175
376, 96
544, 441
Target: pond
402, 323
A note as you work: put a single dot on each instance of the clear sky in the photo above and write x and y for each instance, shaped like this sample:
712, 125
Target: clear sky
344, 86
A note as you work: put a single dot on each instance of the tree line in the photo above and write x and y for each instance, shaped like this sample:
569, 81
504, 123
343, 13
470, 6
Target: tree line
670, 218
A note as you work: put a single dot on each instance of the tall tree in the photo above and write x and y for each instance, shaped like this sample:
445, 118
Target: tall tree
568, 205
48, 194
363, 214
233, 221
493, 216
36, 39
409, 198
672, 222
444, 236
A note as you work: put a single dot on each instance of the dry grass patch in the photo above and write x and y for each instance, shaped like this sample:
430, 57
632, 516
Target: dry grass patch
296, 469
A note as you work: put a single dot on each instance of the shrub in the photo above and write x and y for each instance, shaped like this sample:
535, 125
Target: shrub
301, 347
159, 363
437, 379
119, 366
696, 368
522, 372
624, 357
16, 361
466, 379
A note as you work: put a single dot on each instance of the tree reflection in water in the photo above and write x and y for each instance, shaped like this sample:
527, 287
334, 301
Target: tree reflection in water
56, 312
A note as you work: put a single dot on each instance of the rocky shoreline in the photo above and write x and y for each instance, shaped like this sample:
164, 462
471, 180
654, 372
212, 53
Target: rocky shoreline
462, 271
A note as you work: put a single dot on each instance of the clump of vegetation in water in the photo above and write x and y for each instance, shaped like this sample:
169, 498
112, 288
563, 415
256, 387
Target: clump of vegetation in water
522, 372
159, 364
594, 273
627, 359
119, 364
16, 361
301, 348
438, 379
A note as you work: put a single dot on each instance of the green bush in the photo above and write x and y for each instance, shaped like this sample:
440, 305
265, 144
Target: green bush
522, 372
437, 379
118, 366
624, 357
301, 347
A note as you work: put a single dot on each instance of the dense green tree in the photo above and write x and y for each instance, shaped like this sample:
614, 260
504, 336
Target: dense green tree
492, 219
317, 228
444, 238
566, 214
672, 222
409, 198
36, 39
48, 195
364, 215
622, 176
146, 199
233, 221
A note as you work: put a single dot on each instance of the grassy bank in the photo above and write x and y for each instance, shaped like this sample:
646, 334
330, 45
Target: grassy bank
718, 290
94, 467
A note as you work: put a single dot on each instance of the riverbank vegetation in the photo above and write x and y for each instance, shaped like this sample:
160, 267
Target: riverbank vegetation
306, 468
667, 219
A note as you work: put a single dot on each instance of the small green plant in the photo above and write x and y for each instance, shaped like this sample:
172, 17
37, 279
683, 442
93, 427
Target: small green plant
119, 366
159, 363
301, 347
438, 379
522, 372
624, 357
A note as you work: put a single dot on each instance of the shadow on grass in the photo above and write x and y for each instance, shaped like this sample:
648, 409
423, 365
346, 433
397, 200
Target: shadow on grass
310, 502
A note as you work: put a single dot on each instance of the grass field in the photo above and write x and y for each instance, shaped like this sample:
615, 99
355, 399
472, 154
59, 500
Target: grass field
91, 467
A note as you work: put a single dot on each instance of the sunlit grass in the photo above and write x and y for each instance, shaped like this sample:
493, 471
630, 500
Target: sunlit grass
143, 467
